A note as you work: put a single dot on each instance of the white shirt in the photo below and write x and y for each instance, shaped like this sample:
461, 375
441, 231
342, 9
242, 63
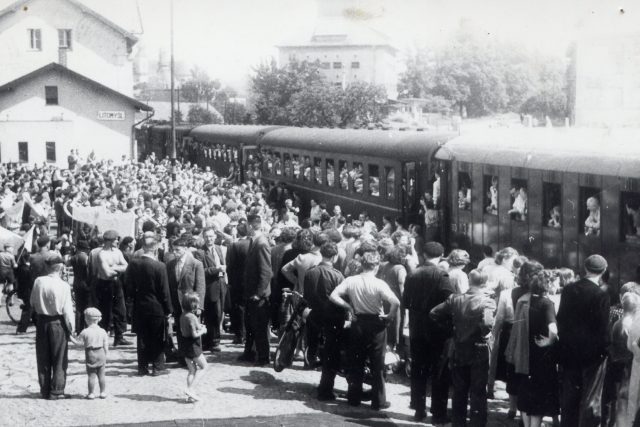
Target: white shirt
366, 293
51, 296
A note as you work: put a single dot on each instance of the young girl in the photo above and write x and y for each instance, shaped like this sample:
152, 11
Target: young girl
94, 339
192, 330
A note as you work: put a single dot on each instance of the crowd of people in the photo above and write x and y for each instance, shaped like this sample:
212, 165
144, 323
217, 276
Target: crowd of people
206, 249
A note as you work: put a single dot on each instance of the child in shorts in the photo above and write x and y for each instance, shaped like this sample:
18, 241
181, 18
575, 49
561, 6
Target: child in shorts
192, 330
96, 347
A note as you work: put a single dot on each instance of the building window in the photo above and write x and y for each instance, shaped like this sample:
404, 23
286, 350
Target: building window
51, 151
355, 64
23, 152
64, 38
51, 95
35, 39
337, 65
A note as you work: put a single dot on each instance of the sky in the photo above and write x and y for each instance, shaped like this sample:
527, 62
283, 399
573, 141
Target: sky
229, 37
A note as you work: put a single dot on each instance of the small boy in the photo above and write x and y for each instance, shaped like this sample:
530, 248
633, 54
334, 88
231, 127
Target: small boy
96, 347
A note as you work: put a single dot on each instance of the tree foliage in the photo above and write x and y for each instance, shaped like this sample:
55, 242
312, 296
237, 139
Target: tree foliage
200, 115
298, 95
200, 87
479, 78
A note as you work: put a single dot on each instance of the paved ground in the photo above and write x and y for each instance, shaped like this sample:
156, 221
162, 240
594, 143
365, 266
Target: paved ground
234, 394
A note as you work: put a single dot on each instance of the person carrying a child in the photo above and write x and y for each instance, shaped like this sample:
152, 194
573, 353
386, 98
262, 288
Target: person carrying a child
94, 340
192, 331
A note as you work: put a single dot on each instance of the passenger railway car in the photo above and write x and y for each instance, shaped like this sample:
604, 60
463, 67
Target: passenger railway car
157, 139
531, 188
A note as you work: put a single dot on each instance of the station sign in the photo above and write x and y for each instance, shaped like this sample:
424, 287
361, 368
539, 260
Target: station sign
111, 115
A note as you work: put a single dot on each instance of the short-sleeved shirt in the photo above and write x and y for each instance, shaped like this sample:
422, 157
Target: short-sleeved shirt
93, 336
189, 324
366, 293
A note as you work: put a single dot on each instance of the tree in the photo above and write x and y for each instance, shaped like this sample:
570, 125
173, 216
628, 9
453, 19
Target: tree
200, 115
199, 87
551, 95
361, 103
232, 112
315, 106
178, 116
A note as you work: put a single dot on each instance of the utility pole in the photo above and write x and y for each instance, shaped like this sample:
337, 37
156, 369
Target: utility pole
173, 113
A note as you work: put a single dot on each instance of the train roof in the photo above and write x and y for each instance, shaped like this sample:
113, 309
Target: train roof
230, 134
581, 150
403, 145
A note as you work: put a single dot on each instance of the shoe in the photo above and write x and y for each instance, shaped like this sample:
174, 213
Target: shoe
366, 396
384, 405
246, 358
420, 415
121, 341
103, 395
90, 396
353, 403
216, 349
440, 421
262, 362
192, 395
511, 415
57, 397
237, 341
143, 372
326, 397
160, 372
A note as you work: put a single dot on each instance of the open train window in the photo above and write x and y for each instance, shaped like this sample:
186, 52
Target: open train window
267, 162
464, 191
235, 154
374, 180
297, 167
551, 205
357, 175
490, 190
390, 174
519, 199
306, 168
287, 165
317, 170
331, 173
216, 152
344, 174
277, 163
589, 199
630, 217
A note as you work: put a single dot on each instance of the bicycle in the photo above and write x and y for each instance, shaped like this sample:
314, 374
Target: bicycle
13, 304
292, 331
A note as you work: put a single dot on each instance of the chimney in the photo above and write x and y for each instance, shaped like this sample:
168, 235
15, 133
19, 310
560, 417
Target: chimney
62, 56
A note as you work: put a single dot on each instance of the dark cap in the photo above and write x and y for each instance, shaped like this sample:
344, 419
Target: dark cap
595, 264
43, 241
53, 258
110, 235
433, 249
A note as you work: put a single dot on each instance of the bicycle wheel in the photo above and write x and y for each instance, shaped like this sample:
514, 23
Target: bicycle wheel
284, 353
14, 307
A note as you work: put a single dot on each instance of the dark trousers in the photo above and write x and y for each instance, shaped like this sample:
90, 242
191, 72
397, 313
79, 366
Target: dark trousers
82, 295
313, 333
212, 316
332, 332
576, 382
470, 384
426, 361
237, 321
110, 302
257, 328
151, 337
51, 354
24, 293
367, 341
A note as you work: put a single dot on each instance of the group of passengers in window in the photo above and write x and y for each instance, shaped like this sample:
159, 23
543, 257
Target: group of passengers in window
519, 207
632, 209
492, 195
592, 223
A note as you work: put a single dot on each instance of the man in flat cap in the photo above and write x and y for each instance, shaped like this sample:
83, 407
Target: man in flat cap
108, 289
52, 304
583, 319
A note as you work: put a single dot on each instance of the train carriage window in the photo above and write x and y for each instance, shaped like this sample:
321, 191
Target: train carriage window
344, 174
464, 191
297, 167
490, 187
306, 171
552, 205
630, 217
590, 211
267, 163
374, 180
287, 165
519, 200
235, 154
317, 170
277, 163
390, 174
331, 173
357, 175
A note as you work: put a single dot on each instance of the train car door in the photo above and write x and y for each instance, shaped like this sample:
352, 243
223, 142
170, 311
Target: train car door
409, 192
249, 162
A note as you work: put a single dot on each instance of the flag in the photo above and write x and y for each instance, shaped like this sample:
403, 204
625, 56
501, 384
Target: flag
12, 218
28, 239
8, 237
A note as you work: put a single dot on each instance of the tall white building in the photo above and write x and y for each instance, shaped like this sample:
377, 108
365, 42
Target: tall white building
347, 48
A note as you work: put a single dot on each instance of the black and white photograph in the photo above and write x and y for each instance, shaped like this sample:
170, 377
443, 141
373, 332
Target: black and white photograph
320, 213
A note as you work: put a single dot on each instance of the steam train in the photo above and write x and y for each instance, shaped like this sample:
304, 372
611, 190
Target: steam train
555, 194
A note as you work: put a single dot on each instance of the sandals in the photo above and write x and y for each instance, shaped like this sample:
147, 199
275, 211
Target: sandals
90, 396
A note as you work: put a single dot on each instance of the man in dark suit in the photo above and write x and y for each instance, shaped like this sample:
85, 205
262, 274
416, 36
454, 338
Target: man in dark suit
236, 261
186, 274
424, 289
37, 268
215, 289
146, 279
257, 289
583, 319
